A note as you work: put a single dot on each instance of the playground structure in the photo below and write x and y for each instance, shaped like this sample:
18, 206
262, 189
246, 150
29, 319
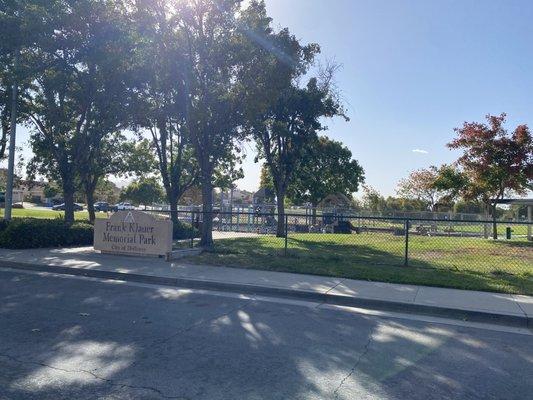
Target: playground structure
262, 219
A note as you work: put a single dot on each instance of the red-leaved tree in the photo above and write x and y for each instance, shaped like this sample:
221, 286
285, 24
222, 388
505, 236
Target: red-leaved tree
496, 162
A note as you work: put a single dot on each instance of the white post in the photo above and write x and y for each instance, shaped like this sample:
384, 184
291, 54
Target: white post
11, 159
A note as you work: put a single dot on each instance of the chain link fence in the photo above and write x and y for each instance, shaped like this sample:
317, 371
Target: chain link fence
355, 239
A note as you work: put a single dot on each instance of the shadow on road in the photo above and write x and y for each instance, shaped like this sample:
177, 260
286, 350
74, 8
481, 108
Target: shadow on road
79, 339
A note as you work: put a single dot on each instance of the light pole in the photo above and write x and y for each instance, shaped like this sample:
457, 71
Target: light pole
12, 137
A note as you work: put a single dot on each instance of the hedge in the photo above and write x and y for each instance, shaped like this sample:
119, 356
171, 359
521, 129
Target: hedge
28, 233
183, 230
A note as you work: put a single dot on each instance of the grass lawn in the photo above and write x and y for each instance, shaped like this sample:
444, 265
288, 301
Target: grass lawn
464, 263
46, 214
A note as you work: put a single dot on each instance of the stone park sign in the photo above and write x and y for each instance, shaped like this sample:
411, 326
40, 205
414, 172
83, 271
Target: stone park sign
133, 232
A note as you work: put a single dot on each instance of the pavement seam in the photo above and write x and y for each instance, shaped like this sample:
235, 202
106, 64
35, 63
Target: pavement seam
323, 302
354, 368
108, 381
519, 306
416, 294
334, 286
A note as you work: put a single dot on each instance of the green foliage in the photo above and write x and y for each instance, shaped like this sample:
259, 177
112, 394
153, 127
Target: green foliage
284, 107
326, 167
422, 185
374, 201
137, 158
23, 24
265, 178
143, 191
451, 179
182, 230
106, 191
27, 233
51, 190
469, 207
78, 94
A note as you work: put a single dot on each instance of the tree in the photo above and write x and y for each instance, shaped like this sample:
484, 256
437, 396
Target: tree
159, 101
23, 25
77, 95
496, 162
6, 93
51, 190
58, 122
452, 181
282, 115
114, 155
143, 191
210, 35
470, 207
107, 191
265, 179
373, 200
326, 167
189, 102
420, 185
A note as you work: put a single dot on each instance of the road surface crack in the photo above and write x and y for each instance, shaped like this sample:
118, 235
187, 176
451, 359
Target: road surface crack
110, 382
200, 323
354, 368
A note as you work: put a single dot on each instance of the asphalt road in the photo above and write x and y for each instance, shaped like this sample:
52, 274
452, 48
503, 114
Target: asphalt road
75, 338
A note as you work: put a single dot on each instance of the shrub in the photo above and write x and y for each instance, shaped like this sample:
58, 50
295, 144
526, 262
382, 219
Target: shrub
28, 233
182, 230
3, 224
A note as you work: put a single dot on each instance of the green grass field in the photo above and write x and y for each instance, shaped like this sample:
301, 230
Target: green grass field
46, 214
464, 263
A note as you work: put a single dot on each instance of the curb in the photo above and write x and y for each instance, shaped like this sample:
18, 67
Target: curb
250, 289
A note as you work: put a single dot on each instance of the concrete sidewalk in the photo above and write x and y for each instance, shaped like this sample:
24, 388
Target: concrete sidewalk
499, 308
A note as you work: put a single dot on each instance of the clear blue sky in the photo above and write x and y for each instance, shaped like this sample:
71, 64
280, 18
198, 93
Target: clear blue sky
412, 71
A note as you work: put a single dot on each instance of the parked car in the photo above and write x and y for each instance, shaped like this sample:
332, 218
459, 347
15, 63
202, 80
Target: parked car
102, 206
61, 207
123, 206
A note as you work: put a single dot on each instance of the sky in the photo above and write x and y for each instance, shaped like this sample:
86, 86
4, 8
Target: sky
412, 70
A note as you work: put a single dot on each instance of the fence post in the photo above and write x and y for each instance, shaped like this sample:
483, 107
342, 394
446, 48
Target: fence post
406, 256
529, 222
286, 232
192, 229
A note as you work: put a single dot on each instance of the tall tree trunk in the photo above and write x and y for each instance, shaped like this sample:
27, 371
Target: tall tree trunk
173, 201
89, 194
89, 186
280, 231
313, 221
486, 227
68, 194
207, 211
3, 140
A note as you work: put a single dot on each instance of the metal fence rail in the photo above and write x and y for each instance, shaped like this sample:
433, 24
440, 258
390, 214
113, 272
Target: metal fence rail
369, 240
